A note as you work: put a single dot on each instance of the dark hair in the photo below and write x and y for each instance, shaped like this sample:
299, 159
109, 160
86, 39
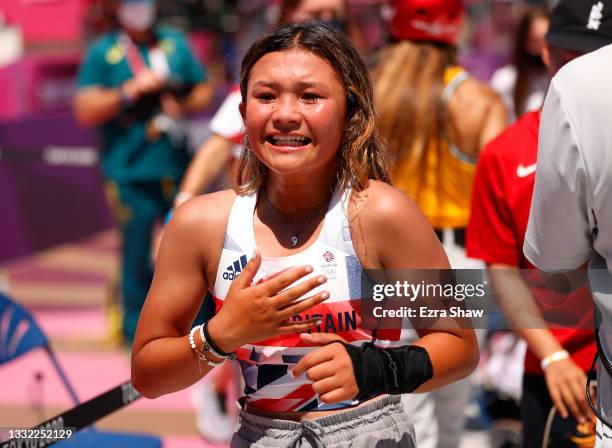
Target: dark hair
408, 86
527, 66
100, 17
362, 155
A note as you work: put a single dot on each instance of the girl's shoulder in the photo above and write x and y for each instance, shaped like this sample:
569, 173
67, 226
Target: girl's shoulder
391, 230
204, 218
380, 202
208, 209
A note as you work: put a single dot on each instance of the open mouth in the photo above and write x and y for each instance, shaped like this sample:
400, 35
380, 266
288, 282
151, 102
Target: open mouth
294, 141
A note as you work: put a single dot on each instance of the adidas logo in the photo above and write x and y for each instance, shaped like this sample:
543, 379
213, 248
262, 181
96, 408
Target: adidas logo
232, 271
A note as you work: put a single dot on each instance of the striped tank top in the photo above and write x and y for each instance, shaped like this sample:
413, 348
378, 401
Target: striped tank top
266, 365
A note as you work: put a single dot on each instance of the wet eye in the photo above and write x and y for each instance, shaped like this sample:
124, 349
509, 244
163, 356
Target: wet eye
310, 97
265, 97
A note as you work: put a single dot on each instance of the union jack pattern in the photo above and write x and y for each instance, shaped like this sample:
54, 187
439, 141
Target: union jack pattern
266, 365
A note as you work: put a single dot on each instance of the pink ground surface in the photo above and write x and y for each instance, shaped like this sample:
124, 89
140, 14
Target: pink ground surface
56, 276
90, 373
88, 323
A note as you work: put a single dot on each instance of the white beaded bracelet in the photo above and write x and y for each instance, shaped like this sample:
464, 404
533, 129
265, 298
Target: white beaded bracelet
554, 357
206, 348
192, 339
193, 346
199, 354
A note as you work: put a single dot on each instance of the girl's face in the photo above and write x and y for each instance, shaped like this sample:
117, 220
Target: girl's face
294, 112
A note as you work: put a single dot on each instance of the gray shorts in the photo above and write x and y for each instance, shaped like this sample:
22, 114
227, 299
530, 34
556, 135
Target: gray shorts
381, 424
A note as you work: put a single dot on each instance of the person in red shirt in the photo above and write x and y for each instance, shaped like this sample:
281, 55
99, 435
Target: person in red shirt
559, 355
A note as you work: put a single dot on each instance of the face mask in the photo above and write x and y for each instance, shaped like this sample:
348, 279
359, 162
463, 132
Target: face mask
137, 16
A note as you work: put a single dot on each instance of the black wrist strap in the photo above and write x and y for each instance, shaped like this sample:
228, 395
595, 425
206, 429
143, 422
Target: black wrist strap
389, 370
212, 343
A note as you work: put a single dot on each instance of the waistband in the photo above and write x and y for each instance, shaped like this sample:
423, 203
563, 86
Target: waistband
381, 421
339, 419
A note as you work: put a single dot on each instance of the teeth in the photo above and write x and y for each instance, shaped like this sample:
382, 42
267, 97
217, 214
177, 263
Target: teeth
289, 139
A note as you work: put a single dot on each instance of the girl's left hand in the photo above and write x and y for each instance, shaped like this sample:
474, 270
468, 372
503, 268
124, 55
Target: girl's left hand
329, 368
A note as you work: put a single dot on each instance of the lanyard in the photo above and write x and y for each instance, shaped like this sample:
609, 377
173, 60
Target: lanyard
158, 60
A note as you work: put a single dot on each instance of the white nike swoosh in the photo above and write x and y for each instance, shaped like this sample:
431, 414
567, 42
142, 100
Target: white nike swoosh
524, 171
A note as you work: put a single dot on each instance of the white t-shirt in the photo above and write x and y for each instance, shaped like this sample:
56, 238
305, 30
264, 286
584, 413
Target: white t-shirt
227, 121
571, 211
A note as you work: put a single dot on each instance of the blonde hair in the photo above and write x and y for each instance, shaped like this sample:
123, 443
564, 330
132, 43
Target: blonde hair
362, 155
408, 85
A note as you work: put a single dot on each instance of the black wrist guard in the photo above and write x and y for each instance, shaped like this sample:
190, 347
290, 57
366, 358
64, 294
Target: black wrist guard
389, 370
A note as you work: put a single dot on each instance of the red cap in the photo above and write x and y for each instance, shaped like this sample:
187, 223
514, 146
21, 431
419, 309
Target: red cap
426, 20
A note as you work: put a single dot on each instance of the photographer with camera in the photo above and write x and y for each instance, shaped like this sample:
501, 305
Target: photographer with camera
135, 85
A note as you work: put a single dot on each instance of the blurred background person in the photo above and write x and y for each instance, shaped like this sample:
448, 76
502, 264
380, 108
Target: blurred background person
522, 84
570, 217
560, 356
434, 116
486, 43
135, 84
435, 119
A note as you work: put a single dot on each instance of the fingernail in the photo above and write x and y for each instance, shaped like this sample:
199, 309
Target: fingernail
305, 336
322, 279
325, 295
292, 374
581, 420
308, 268
318, 322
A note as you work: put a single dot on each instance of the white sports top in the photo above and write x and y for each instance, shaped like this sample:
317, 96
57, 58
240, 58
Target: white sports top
266, 364
227, 121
